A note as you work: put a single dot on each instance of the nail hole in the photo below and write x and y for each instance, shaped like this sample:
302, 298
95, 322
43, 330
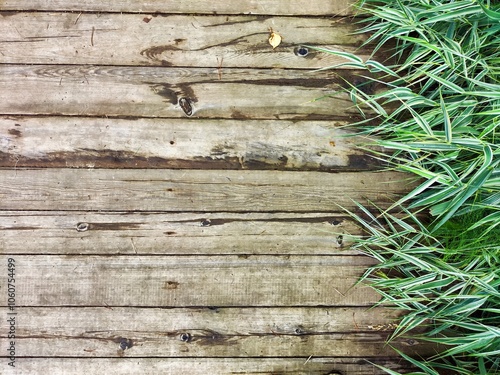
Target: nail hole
301, 51
186, 106
340, 239
172, 142
185, 337
205, 223
125, 344
335, 222
411, 342
299, 331
82, 227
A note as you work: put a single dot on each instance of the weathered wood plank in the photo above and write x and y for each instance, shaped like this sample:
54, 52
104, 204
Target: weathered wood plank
204, 332
176, 281
174, 92
179, 143
194, 41
107, 323
264, 7
203, 366
171, 190
36, 232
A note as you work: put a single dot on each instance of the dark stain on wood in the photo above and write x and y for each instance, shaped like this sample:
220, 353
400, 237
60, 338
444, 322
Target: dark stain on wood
219, 159
210, 338
246, 20
174, 93
170, 285
15, 132
154, 53
113, 226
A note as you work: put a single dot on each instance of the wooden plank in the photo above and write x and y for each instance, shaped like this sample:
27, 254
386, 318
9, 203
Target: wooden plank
265, 7
174, 92
36, 232
205, 332
171, 190
203, 366
176, 281
180, 143
175, 40
156, 323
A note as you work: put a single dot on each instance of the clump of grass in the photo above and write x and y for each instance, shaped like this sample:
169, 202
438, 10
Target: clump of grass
444, 89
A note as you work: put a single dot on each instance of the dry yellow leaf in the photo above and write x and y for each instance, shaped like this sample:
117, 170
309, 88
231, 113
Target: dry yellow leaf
274, 39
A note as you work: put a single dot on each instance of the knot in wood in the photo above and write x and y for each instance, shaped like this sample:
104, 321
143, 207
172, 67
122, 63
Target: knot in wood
301, 51
82, 227
125, 344
185, 337
186, 105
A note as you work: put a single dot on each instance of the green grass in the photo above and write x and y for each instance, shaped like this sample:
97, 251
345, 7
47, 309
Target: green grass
443, 89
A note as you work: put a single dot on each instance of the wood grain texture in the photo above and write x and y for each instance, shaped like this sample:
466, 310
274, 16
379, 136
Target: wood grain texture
176, 281
175, 92
180, 143
203, 366
175, 40
263, 7
36, 232
156, 323
208, 332
170, 190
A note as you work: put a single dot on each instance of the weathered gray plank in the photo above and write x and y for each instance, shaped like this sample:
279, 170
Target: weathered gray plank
203, 366
170, 190
205, 332
195, 41
282, 7
179, 143
176, 281
174, 92
36, 232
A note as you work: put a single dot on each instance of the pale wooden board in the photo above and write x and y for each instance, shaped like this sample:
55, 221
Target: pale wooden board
177, 281
204, 332
158, 92
171, 190
38, 232
178, 40
204, 366
180, 143
281, 7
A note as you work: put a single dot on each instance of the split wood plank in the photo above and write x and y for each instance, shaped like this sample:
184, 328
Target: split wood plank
208, 332
176, 281
263, 7
180, 143
203, 366
125, 233
175, 92
175, 40
171, 190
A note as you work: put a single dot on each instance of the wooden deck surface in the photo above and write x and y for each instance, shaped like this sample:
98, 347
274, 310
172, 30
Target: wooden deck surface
171, 191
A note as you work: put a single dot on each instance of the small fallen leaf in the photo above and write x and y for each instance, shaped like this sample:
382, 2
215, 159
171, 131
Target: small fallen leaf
274, 39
